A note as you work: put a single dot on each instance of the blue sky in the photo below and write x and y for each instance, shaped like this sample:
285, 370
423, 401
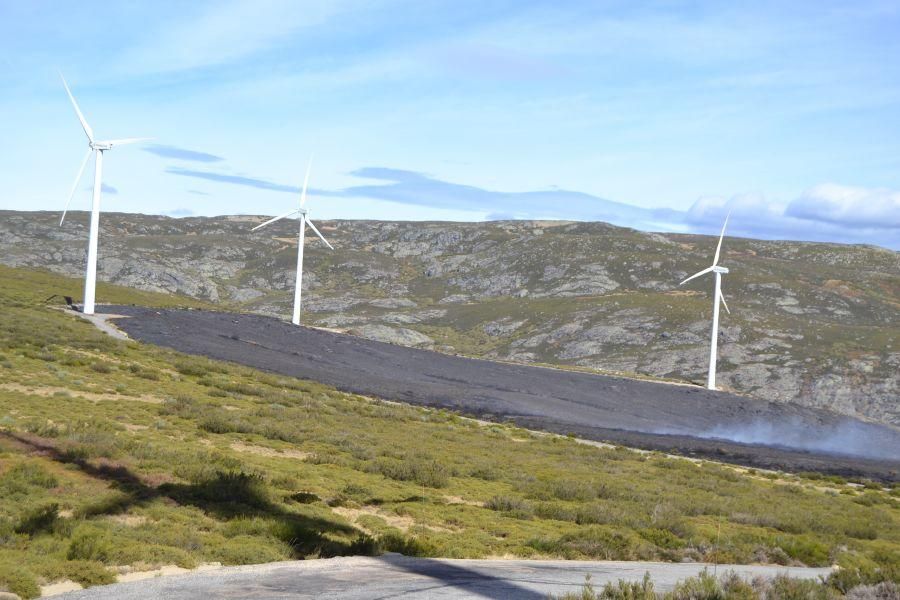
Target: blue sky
660, 115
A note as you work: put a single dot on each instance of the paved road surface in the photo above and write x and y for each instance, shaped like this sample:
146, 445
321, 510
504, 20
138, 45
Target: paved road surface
627, 411
394, 576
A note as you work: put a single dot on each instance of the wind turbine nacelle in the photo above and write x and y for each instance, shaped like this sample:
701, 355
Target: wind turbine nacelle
719, 269
101, 146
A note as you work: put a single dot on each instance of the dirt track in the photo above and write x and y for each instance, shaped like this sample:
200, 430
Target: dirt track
685, 419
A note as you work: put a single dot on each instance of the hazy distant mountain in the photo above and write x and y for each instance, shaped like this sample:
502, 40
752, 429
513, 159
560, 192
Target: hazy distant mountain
813, 323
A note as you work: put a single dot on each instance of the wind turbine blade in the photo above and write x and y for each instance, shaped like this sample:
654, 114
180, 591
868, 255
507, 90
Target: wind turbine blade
278, 218
722, 298
124, 141
722, 235
75, 185
695, 275
84, 125
321, 237
305, 183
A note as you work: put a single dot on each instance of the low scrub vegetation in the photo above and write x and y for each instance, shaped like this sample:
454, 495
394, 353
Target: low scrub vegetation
159, 458
730, 586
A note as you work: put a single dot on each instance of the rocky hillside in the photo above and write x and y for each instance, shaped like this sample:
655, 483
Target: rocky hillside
817, 324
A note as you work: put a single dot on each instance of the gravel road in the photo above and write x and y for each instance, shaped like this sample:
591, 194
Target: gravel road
681, 418
394, 576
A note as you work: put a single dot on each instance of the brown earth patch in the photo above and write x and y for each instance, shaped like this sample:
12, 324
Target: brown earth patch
46, 391
132, 427
841, 288
271, 452
128, 520
401, 522
460, 500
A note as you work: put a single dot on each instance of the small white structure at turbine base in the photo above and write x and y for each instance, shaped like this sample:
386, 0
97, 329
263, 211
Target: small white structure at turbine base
718, 297
303, 214
97, 148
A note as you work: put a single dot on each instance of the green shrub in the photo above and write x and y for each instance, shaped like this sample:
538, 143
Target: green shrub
782, 587
39, 520
218, 423
250, 550
621, 590
22, 478
304, 497
19, 581
239, 387
486, 473
805, 549
511, 506
356, 492
569, 489
634, 590
88, 573
856, 571
507, 503
191, 368
407, 546
598, 542
232, 491
365, 545
427, 472
89, 544
662, 538
703, 587
556, 511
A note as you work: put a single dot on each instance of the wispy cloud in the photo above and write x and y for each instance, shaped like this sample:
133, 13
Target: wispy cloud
411, 187
848, 206
822, 213
233, 180
181, 153
198, 193
218, 33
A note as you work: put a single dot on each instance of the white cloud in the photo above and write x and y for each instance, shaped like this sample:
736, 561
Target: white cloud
754, 207
849, 206
827, 212
224, 32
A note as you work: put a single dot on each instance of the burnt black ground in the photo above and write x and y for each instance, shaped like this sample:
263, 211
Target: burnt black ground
684, 419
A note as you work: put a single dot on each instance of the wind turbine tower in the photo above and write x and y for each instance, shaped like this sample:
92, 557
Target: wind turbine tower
97, 148
718, 296
301, 238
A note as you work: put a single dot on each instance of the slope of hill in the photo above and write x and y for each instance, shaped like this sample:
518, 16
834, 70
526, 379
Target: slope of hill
815, 324
116, 456
637, 413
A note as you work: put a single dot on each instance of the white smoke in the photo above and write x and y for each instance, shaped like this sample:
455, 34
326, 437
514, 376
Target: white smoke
845, 437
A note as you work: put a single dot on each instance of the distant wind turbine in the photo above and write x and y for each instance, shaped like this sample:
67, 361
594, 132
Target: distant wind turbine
97, 148
718, 297
304, 221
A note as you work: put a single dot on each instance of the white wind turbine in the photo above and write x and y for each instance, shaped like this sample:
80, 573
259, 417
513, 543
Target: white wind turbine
97, 148
304, 221
718, 297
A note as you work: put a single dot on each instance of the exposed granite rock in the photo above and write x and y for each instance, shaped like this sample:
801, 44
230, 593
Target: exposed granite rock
502, 327
393, 335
